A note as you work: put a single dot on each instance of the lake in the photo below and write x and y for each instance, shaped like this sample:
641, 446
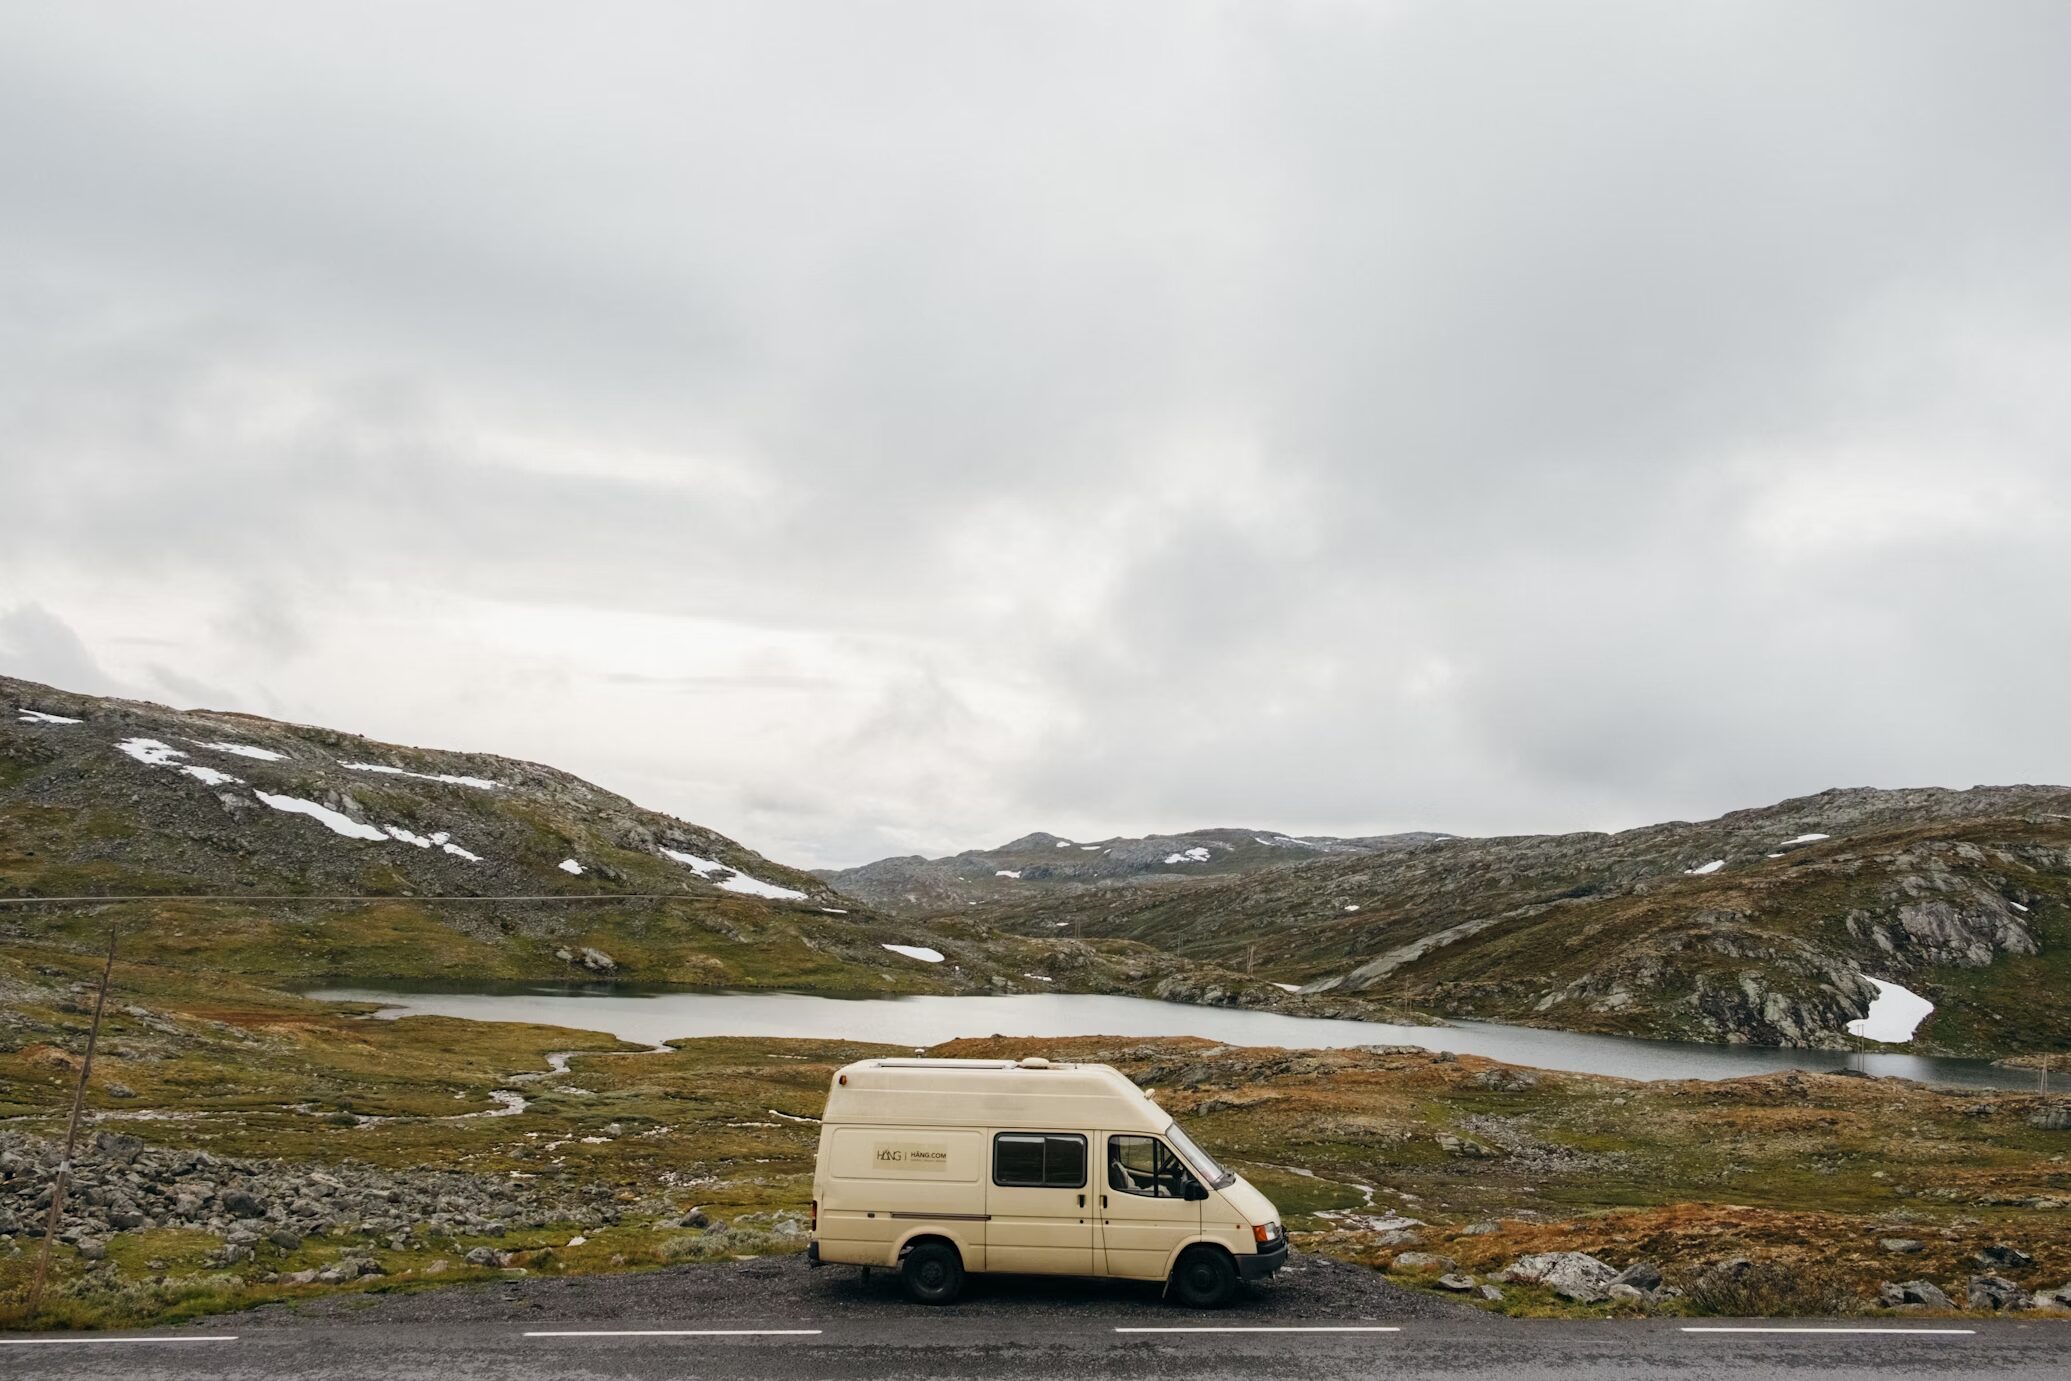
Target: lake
656, 1014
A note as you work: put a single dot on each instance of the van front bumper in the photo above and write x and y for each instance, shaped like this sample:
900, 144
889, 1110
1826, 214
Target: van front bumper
1264, 1263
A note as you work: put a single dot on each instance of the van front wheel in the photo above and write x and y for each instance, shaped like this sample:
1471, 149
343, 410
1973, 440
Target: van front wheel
933, 1274
1205, 1278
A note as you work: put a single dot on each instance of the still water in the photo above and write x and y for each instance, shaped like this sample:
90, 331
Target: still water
656, 1014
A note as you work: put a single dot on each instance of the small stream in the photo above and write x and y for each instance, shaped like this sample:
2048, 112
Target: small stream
653, 1014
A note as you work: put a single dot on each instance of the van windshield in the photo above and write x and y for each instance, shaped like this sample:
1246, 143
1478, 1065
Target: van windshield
1203, 1163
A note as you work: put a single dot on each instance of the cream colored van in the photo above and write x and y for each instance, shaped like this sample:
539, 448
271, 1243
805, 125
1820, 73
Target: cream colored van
943, 1167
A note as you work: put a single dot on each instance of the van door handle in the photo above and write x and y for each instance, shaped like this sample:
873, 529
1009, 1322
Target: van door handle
1103, 1201
1082, 1201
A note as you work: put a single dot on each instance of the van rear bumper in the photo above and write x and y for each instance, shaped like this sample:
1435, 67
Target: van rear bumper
1264, 1263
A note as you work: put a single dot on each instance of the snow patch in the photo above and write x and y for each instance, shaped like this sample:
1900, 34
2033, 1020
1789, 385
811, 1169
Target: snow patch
735, 880
458, 852
1197, 854
479, 783
1895, 1013
1701, 869
156, 754
1288, 987
834, 911
1350, 907
330, 819
30, 716
1087, 847
1808, 839
2017, 906
1064, 843
920, 952
399, 833
570, 866
243, 750
1038, 978
1008, 873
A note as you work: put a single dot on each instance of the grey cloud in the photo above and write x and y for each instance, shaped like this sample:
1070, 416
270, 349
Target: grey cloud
1337, 417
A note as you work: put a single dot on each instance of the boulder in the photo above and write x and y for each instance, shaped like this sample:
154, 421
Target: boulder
1618, 1292
1425, 1261
1999, 1293
1456, 1282
2000, 1257
1505, 1080
2052, 1119
1574, 1276
1641, 1275
1918, 1294
243, 1203
340, 1272
1903, 1246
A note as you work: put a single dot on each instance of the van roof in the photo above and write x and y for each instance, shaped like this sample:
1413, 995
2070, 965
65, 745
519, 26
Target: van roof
1032, 1093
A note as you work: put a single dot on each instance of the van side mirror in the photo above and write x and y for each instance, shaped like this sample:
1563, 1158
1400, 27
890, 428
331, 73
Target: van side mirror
1195, 1190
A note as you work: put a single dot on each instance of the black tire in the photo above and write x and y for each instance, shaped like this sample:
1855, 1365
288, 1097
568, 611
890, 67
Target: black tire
1205, 1278
933, 1273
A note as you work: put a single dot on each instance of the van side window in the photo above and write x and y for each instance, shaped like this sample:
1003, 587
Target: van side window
1145, 1165
1039, 1160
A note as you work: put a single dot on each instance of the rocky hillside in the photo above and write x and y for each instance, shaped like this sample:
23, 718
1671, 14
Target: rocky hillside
1045, 866
325, 855
103, 797
1762, 926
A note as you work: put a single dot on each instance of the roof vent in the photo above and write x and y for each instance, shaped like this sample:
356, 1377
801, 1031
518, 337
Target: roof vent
1035, 1062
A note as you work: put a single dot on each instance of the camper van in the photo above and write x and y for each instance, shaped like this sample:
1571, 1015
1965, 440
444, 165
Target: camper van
939, 1168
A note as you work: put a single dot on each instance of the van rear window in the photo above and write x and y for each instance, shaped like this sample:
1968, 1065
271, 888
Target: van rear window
1039, 1160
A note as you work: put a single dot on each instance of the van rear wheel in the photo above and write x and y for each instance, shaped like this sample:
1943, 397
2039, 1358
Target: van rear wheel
933, 1273
1204, 1278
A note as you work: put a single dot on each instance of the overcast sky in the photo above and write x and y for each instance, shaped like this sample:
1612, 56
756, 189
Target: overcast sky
879, 428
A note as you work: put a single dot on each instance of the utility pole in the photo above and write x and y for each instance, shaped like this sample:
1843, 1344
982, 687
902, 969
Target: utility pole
57, 1190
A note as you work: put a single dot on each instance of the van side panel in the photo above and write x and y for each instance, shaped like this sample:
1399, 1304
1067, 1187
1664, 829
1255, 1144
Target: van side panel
880, 1186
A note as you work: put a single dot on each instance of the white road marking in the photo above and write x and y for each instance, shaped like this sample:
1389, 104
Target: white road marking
75, 1342
1830, 1330
675, 1333
1268, 1328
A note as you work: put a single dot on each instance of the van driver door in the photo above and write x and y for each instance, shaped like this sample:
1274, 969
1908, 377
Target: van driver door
1149, 1204
1039, 1204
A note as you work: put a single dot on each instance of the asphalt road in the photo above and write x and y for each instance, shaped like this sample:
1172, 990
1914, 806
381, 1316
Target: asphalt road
772, 1322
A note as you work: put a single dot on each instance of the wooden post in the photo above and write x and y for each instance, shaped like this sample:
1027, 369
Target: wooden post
57, 1189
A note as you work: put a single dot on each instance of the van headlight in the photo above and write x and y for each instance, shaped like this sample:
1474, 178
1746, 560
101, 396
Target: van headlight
1266, 1234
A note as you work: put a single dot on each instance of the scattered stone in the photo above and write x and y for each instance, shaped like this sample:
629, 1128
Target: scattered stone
340, 1272
1485, 1228
1622, 1293
243, 1204
1904, 1246
1398, 1237
285, 1240
1456, 1282
91, 1249
483, 1256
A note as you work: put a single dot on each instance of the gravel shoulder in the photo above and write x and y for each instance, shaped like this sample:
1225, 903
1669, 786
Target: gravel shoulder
1310, 1289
